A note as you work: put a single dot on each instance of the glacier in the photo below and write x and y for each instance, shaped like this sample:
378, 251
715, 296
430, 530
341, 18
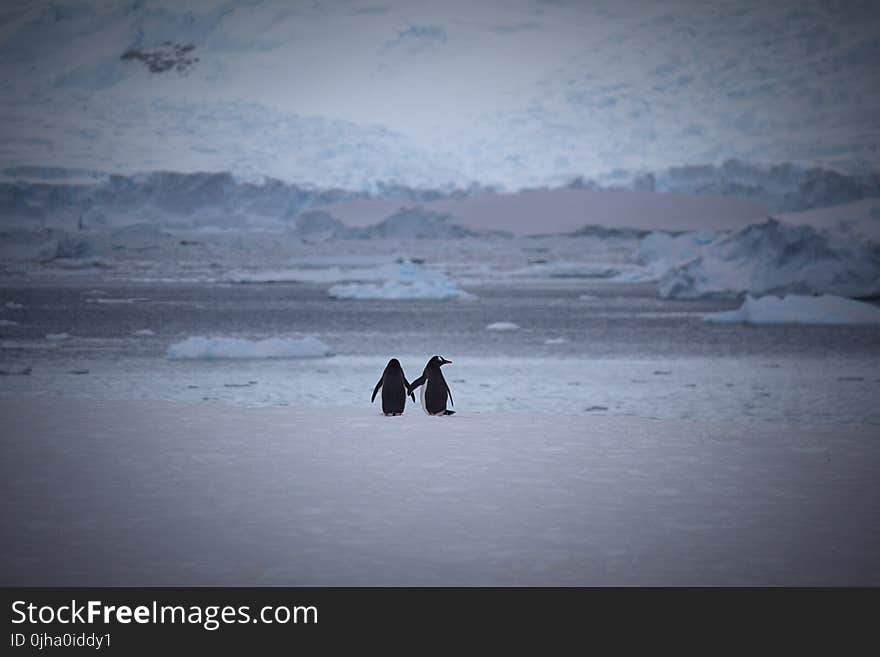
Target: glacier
104, 78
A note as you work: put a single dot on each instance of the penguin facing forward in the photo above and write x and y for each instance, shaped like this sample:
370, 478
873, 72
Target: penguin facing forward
395, 388
435, 390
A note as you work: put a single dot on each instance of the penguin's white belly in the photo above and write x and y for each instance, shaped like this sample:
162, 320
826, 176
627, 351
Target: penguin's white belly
422, 396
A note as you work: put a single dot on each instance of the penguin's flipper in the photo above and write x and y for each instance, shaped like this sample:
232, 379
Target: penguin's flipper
408, 390
449, 392
376, 390
415, 384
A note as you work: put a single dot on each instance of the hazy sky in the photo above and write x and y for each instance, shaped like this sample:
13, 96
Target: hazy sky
510, 91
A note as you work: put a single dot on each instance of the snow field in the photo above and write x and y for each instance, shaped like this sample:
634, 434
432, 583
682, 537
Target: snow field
152, 493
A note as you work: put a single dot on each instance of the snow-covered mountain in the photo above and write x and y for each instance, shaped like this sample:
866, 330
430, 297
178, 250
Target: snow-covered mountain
513, 94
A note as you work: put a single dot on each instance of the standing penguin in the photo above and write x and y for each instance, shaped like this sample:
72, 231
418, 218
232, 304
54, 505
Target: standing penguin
395, 388
435, 390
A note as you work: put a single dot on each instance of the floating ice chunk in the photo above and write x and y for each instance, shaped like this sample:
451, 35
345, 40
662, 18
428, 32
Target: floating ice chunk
11, 305
57, 337
660, 251
210, 348
502, 326
407, 280
8, 322
555, 341
144, 332
799, 309
400, 290
775, 257
116, 301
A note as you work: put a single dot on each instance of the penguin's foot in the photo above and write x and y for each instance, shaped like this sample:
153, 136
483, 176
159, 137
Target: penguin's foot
444, 412
391, 414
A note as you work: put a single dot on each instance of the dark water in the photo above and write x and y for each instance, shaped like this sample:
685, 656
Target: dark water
621, 351
618, 322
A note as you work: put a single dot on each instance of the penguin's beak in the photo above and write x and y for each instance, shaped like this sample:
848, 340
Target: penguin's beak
445, 362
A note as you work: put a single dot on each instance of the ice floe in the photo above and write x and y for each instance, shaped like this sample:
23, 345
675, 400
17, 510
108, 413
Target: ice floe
407, 280
799, 309
110, 301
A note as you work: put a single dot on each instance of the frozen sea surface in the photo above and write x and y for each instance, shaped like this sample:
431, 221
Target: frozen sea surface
158, 493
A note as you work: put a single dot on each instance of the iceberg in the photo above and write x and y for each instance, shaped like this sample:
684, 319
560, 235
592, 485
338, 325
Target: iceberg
502, 326
213, 348
318, 226
416, 223
799, 309
417, 289
407, 280
775, 258
660, 251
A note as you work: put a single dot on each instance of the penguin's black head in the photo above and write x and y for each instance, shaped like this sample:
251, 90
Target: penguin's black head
394, 363
437, 361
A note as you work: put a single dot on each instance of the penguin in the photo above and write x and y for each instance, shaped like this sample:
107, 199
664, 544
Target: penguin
435, 390
395, 388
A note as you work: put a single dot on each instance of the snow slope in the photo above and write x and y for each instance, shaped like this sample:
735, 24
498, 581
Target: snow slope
512, 93
91, 493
